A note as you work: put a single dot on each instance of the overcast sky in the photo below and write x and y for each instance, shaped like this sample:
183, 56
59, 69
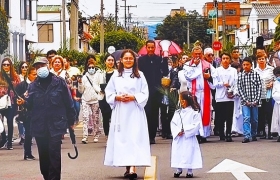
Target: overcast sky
145, 8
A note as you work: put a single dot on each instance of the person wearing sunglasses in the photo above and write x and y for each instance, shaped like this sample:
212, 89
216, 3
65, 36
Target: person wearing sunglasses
22, 70
90, 89
9, 113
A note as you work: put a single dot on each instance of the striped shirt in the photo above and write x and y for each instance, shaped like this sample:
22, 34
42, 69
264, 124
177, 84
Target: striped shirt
249, 87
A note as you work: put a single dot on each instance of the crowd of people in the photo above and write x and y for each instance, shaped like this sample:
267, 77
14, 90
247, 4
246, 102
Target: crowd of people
47, 96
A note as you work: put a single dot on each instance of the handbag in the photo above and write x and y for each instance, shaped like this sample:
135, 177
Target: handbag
5, 102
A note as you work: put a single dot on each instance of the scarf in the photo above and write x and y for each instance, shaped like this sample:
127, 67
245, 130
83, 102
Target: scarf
207, 95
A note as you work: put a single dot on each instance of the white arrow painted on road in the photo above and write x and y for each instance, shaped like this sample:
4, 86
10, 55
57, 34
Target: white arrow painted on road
237, 169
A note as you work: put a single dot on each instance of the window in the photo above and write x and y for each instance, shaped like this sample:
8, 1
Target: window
230, 27
245, 12
230, 12
26, 10
263, 26
45, 33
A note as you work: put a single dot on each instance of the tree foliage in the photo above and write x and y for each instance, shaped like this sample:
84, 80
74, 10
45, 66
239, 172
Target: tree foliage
175, 28
277, 32
109, 24
4, 31
119, 39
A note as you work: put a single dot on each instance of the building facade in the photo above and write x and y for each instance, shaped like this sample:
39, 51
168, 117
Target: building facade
22, 27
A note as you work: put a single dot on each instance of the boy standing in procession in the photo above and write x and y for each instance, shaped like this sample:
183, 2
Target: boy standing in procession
154, 68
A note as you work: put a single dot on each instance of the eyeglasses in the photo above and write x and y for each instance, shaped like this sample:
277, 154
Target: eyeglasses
5, 64
128, 58
210, 55
91, 67
23, 67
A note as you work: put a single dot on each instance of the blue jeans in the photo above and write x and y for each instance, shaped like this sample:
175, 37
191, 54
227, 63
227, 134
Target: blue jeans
77, 107
250, 121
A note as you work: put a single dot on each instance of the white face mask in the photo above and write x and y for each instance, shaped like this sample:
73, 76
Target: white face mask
91, 71
43, 72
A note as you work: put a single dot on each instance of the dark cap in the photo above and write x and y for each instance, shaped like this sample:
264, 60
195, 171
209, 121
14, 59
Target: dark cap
42, 60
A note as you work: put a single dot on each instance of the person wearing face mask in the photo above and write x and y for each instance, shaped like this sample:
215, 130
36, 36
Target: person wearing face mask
90, 89
52, 111
275, 123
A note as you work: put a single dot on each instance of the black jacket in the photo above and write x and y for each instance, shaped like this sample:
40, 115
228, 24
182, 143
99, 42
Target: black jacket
154, 68
51, 109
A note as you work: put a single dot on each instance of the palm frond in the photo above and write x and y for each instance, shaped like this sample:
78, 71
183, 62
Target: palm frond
172, 96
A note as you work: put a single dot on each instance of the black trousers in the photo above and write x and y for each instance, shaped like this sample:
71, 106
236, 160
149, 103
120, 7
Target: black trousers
265, 115
49, 149
28, 138
106, 112
224, 113
152, 113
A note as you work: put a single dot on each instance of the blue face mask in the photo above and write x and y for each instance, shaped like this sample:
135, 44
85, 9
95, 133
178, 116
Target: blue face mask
91, 71
278, 78
43, 72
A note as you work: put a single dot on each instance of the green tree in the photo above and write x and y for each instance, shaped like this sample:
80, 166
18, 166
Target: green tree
119, 39
109, 24
277, 32
175, 28
4, 31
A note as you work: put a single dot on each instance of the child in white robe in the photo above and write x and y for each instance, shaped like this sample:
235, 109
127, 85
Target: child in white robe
275, 122
185, 125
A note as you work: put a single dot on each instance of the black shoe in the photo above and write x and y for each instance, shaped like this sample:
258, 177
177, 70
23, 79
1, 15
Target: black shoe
254, 138
278, 140
228, 139
126, 174
245, 140
164, 135
222, 138
132, 176
169, 136
189, 175
216, 133
21, 141
177, 174
29, 157
203, 140
10, 147
152, 141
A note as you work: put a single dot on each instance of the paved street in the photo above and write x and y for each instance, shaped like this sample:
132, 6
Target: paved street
263, 155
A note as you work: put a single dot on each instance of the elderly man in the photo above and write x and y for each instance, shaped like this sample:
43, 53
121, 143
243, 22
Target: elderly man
200, 74
52, 111
209, 56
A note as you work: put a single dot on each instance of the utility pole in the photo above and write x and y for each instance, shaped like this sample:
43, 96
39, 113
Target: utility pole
116, 15
125, 18
63, 25
74, 25
224, 22
216, 20
129, 15
102, 27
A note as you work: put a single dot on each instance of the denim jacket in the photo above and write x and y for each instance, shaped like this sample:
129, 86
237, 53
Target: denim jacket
52, 110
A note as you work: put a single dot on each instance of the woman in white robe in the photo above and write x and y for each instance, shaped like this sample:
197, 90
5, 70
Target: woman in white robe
185, 125
275, 123
127, 94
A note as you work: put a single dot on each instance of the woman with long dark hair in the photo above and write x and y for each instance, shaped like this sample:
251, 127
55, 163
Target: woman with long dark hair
127, 94
8, 68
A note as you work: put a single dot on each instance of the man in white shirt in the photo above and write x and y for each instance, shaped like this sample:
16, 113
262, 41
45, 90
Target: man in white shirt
70, 70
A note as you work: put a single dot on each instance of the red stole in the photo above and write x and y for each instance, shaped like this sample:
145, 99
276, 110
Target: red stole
207, 95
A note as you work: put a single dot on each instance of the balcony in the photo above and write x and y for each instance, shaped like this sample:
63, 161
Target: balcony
267, 34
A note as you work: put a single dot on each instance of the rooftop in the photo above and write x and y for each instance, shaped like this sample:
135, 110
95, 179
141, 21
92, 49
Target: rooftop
266, 9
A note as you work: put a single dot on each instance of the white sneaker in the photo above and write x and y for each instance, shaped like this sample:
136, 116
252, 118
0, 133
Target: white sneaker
84, 140
95, 140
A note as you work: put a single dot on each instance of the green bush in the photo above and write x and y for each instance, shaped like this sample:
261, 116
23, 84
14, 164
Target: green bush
4, 31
